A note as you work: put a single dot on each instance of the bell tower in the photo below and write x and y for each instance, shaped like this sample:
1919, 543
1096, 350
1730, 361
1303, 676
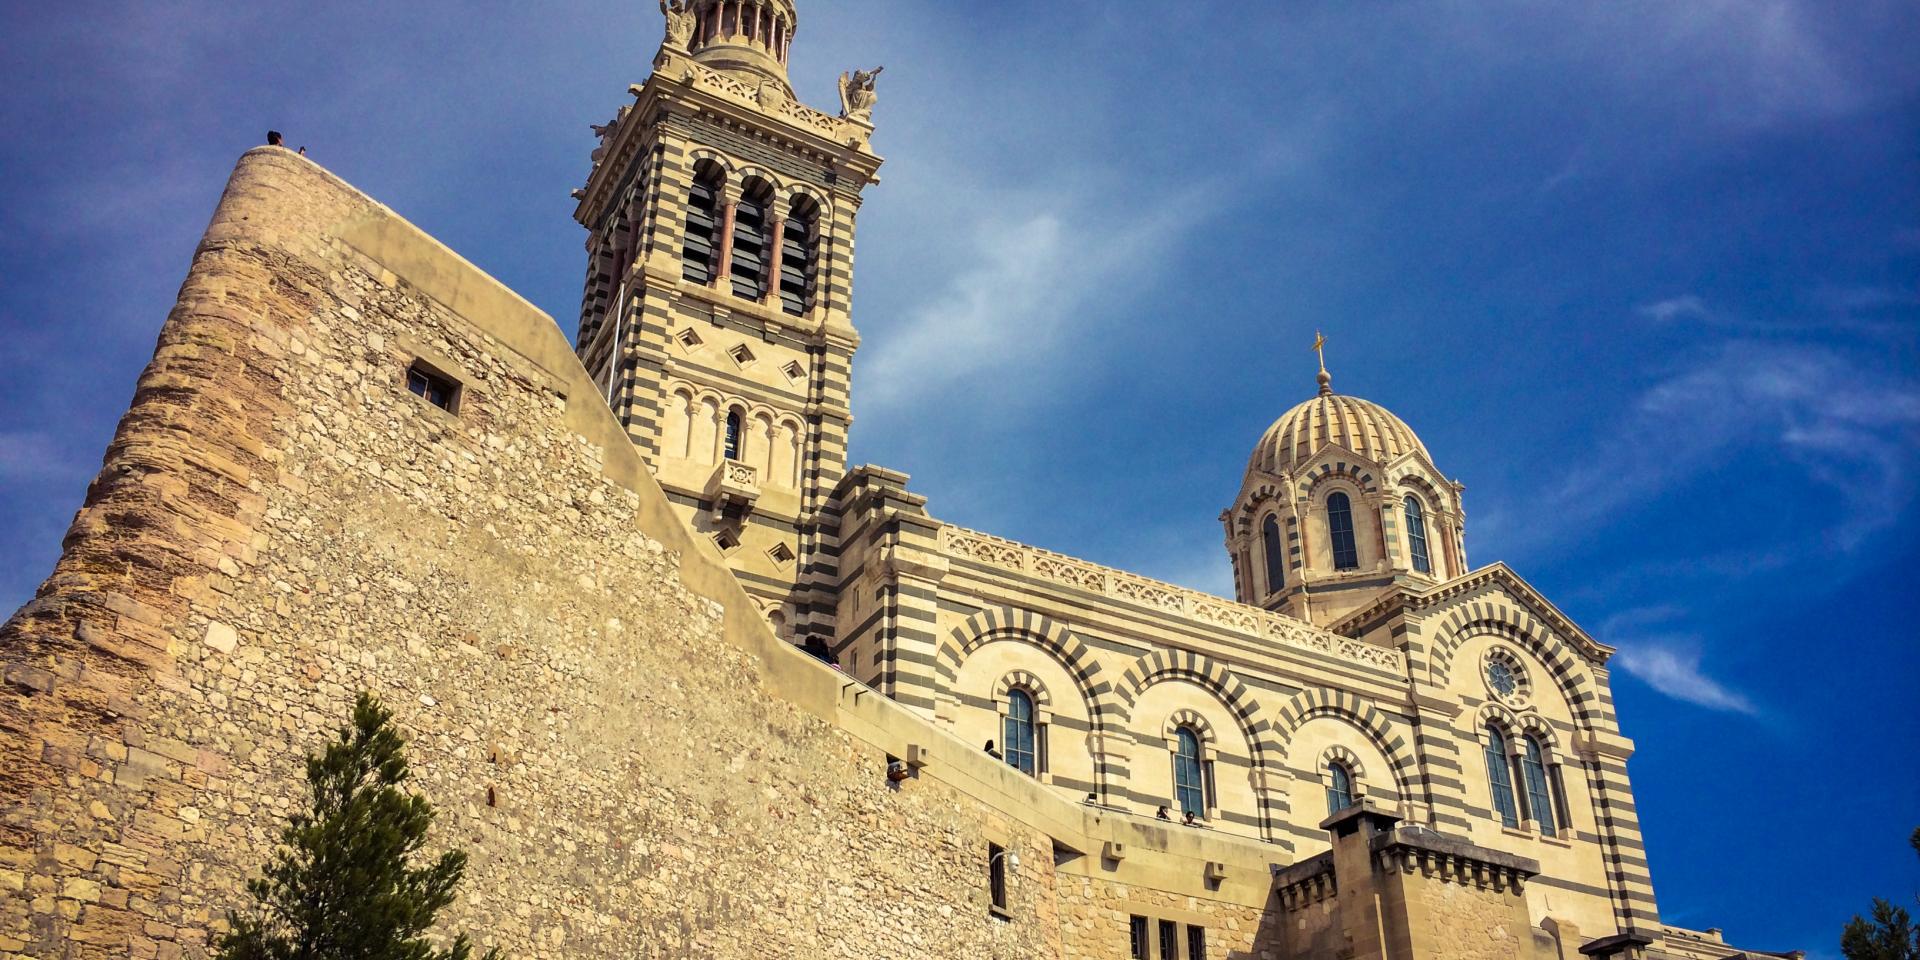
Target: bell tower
717, 313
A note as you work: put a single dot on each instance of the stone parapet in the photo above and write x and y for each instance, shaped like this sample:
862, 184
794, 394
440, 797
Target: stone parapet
1204, 612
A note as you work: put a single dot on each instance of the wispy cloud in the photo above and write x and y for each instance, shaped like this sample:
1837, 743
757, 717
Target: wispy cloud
1673, 308
1676, 673
1668, 661
1839, 425
1031, 283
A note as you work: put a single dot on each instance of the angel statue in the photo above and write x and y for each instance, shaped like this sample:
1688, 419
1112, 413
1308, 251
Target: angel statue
679, 22
856, 94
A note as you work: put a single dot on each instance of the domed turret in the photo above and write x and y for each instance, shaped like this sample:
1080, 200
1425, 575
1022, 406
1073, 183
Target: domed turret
746, 39
1340, 501
1362, 426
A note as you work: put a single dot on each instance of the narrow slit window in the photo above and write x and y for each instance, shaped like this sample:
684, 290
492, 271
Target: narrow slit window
1139, 941
1417, 536
1500, 778
1340, 529
1539, 796
432, 386
732, 450
796, 263
1017, 734
1275, 557
703, 230
1196, 942
1169, 940
1189, 791
997, 876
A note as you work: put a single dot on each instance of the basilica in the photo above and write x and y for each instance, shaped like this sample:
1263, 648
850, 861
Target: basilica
680, 681
1363, 655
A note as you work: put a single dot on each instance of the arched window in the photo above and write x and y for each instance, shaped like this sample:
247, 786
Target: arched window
1017, 732
703, 227
1500, 777
1340, 528
796, 258
733, 435
750, 246
1417, 536
1339, 787
1276, 559
1539, 798
1189, 787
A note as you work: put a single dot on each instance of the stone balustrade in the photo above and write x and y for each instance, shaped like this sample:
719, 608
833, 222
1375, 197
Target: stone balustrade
1205, 608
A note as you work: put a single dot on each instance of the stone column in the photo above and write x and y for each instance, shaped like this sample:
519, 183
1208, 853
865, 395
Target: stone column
775, 228
723, 274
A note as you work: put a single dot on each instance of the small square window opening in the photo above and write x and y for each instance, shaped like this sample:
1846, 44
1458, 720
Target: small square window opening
432, 386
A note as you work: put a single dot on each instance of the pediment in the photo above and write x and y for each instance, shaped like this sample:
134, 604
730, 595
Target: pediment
1497, 578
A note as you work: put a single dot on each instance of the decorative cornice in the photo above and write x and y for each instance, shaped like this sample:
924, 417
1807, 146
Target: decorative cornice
1451, 860
678, 79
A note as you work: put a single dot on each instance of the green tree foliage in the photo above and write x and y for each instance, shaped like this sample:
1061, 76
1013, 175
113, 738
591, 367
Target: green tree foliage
1890, 935
344, 885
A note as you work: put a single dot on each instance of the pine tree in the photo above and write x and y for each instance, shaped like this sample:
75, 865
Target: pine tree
344, 885
1890, 935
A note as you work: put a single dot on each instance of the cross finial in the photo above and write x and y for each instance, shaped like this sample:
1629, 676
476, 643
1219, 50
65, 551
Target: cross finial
1325, 378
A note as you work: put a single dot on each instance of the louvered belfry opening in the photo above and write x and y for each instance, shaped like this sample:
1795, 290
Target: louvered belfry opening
751, 246
699, 249
796, 257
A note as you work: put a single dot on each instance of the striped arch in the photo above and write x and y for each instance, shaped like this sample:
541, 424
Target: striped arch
1104, 712
1322, 702
1498, 715
1517, 626
794, 192
1533, 725
715, 157
1209, 674
1021, 679
1353, 473
1253, 505
1169, 664
1343, 756
1192, 721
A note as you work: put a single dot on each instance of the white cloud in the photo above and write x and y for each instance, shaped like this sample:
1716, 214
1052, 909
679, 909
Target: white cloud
1029, 284
1676, 673
1673, 308
1668, 661
1839, 425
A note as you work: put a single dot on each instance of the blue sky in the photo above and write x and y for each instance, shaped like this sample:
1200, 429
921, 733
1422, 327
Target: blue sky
1642, 275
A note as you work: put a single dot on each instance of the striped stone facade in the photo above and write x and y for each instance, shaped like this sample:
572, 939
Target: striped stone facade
678, 358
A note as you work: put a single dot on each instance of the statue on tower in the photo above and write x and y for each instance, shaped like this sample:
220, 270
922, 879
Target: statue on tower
679, 22
856, 95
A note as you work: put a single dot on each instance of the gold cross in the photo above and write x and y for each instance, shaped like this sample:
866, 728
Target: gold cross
1319, 347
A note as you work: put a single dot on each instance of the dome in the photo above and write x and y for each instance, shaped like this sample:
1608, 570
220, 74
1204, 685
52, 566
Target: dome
1362, 426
